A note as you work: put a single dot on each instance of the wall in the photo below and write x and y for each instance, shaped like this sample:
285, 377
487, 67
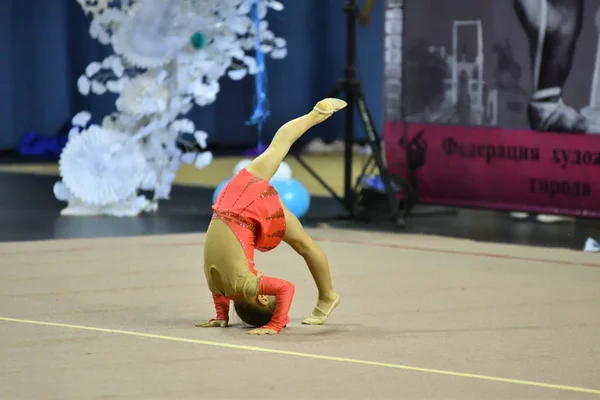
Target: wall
46, 47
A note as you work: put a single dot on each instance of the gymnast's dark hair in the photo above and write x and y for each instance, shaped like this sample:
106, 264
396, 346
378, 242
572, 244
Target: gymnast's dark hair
255, 314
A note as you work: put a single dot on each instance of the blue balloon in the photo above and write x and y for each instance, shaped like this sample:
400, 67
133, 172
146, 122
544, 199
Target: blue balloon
219, 188
294, 195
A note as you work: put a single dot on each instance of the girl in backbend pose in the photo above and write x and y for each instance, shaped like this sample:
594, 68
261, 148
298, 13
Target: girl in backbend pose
248, 214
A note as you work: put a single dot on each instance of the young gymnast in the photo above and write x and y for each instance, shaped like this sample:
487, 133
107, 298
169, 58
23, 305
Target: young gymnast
248, 214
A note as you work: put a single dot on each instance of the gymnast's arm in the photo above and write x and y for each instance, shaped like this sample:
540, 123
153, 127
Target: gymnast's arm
222, 309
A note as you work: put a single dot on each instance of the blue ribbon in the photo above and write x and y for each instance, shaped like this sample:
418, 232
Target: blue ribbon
261, 106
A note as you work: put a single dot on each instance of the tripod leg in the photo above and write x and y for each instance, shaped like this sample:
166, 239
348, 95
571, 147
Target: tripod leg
337, 89
374, 143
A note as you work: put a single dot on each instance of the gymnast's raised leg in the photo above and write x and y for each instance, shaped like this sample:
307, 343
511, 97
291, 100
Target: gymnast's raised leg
296, 237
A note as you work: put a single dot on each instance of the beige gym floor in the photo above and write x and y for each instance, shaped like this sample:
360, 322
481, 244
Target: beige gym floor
421, 318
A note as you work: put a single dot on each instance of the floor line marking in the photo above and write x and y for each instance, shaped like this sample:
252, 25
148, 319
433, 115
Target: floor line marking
457, 252
307, 355
425, 249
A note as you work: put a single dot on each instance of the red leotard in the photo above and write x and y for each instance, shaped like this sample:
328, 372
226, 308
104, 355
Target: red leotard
251, 208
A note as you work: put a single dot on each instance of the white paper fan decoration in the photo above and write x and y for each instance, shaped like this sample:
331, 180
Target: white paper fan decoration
102, 167
153, 34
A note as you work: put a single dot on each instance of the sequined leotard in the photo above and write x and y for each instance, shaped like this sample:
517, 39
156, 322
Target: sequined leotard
251, 207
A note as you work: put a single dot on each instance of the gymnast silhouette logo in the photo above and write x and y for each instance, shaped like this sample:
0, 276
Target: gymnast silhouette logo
416, 150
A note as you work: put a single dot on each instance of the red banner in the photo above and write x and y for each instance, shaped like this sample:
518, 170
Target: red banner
495, 104
498, 168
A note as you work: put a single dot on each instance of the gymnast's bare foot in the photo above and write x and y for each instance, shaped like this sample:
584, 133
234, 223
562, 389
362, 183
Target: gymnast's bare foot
322, 310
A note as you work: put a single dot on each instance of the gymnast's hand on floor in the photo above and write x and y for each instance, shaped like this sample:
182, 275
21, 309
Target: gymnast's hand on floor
213, 323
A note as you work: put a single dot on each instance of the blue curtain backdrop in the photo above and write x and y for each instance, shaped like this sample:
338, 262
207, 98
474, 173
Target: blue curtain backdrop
45, 47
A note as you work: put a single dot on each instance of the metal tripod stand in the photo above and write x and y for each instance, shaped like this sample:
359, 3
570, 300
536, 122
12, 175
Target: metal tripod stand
354, 96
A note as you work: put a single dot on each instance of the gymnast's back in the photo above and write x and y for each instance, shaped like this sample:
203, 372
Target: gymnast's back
251, 208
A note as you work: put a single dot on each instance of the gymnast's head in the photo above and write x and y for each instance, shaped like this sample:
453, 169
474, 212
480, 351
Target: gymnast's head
255, 311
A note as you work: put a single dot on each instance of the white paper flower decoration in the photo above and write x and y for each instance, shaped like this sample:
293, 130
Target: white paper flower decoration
188, 158
81, 119
203, 159
169, 55
62, 193
102, 167
84, 85
144, 95
201, 138
153, 33
94, 7
182, 126
150, 180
